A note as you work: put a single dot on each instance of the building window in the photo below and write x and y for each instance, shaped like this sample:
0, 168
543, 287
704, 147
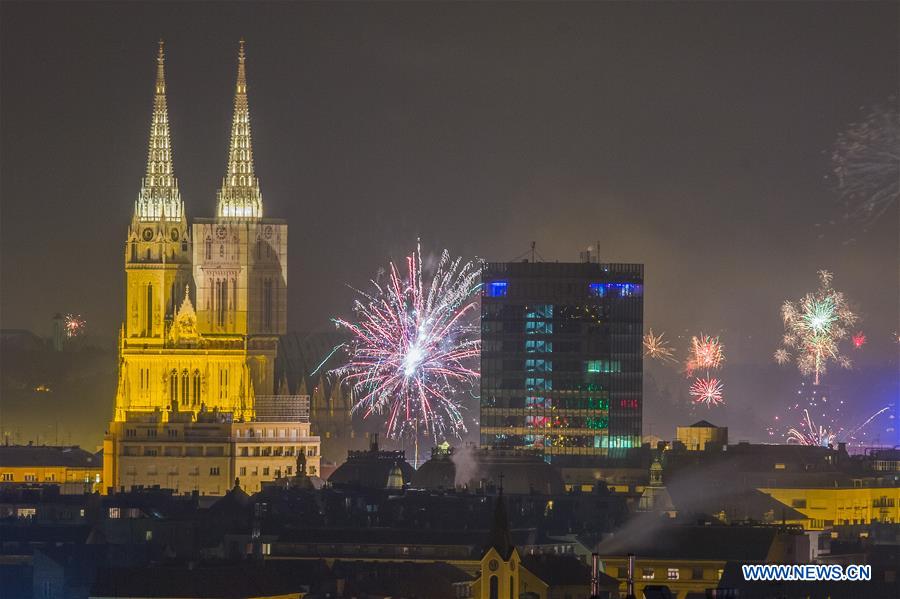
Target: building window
148, 535
149, 307
195, 389
173, 386
243, 471
798, 503
31, 478
214, 471
672, 574
184, 387
115, 513
7, 477
497, 289
697, 573
265, 471
647, 573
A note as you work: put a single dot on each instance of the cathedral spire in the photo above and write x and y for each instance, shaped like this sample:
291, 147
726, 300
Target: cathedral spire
239, 196
159, 198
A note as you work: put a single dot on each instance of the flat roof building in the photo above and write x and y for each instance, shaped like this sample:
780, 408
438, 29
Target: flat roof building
562, 363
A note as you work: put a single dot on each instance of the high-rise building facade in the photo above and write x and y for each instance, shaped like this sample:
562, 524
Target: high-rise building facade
205, 304
562, 362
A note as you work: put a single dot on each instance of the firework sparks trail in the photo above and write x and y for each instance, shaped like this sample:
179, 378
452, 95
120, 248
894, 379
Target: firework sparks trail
706, 353
865, 163
707, 391
814, 326
859, 340
413, 344
656, 347
810, 434
74, 325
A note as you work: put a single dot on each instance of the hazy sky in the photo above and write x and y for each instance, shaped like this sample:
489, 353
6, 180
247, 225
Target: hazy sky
691, 137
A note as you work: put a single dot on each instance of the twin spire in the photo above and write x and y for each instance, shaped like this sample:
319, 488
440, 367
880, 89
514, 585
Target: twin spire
159, 198
239, 197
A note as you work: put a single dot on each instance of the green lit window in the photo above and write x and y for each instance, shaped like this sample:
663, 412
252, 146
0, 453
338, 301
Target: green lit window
598, 403
604, 366
598, 422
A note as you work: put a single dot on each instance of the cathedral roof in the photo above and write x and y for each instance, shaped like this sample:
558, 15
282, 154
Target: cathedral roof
159, 198
239, 196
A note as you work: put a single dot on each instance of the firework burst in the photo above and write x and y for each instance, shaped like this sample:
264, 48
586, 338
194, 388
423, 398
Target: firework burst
859, 340
413, 345
74, 325
706, 353
707, 390
865, 164
656, 347
814, 326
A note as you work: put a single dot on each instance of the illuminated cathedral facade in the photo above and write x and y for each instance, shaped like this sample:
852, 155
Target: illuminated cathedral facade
205, 304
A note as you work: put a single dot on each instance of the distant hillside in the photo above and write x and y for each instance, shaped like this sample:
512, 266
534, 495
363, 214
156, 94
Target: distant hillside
50, 396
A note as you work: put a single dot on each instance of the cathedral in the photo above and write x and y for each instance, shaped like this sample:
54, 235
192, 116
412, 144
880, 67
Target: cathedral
197, 409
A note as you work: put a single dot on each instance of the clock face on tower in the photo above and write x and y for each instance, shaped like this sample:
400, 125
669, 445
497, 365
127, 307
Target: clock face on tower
174, 234
148, 234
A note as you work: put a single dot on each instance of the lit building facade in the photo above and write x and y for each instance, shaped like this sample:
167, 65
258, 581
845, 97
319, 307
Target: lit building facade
205, 304
562, 363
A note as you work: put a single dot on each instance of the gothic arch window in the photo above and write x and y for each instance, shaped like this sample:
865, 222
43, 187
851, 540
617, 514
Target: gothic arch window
148, 253
221, 250
133, 251
173, 386
195, 388
494, 587
184, 245
512, 590
208, 248
184, 387
149, 310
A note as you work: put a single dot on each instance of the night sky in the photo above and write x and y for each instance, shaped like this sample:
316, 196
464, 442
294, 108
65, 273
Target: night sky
693, 138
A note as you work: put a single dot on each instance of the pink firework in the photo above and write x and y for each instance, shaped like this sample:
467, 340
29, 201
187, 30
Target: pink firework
707, 390
706, 353
74, 325
414, 344
859, 340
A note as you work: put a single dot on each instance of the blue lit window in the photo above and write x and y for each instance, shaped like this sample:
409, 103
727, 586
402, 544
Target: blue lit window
616, 289
538, 365
535, 384
538, 346
539, 311
497, 289
538, 327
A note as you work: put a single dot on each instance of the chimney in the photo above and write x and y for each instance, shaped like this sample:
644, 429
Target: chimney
630, 582
595, 576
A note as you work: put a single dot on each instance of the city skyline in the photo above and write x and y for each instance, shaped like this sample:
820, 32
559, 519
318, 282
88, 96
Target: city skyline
724, 192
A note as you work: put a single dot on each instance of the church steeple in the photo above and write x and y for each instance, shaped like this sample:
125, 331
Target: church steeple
159, 198
239, 196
